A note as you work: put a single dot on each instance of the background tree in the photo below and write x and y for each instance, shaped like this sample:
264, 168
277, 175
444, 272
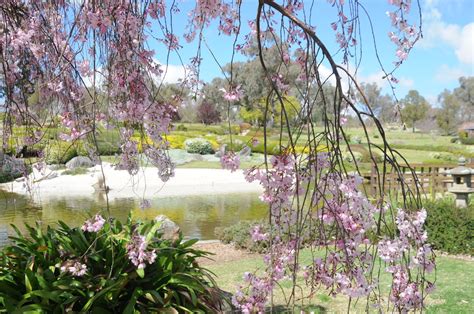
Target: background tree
207, 113
465, 95
415, 108
256, 114
447, 116
382, 105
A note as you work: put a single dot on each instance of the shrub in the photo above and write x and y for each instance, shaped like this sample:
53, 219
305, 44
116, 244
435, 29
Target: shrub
348, 157
108, 143
58, 152
71, 270
224, 129
463, 134
356, 140
450, 229
239, 235
176, 141
364, 154
273, 147
467, 140
198, 146
181, 127
82, 148
443, 156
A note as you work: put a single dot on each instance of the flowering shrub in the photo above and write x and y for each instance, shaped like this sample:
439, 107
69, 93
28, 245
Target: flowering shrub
104, 266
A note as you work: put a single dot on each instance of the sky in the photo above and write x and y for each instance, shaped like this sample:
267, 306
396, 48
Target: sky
445, 53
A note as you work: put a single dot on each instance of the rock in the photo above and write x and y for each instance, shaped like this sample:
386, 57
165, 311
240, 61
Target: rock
80, 161
169, 229
245, 152
221, 151
11, 168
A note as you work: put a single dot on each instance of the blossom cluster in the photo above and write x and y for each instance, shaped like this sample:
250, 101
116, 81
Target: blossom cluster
94, 224
230, 161
137, 252
233, 94
407, 291
405, 34
74, 267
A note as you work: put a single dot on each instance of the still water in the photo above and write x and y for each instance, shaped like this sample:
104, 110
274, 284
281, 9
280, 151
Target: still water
198, 216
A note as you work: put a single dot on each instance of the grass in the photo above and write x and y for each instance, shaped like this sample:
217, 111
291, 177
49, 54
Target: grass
454, 282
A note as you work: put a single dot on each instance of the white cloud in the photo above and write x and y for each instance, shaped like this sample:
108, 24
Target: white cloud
446, 74
99, 79
172, 73
378, 78
437, 32
432, 99
465, 48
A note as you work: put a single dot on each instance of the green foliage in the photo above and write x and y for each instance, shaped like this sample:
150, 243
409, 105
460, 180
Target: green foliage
198, 146
450, 229
58, 152
31, 278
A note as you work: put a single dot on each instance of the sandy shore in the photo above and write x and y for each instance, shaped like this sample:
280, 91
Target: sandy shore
145, 184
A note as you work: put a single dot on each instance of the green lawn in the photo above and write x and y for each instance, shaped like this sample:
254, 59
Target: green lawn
454, 282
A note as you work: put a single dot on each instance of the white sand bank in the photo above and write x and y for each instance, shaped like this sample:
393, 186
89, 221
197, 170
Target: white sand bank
145, 184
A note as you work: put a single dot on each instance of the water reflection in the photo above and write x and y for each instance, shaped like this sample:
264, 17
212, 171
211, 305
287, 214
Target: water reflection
198, 216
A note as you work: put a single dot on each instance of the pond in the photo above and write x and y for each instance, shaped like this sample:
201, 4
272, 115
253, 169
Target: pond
198, 216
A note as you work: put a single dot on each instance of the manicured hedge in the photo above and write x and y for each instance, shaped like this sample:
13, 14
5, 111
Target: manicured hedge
450, 229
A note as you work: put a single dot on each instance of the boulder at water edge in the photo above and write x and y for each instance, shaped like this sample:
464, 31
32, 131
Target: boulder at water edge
80, 161
169, 229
